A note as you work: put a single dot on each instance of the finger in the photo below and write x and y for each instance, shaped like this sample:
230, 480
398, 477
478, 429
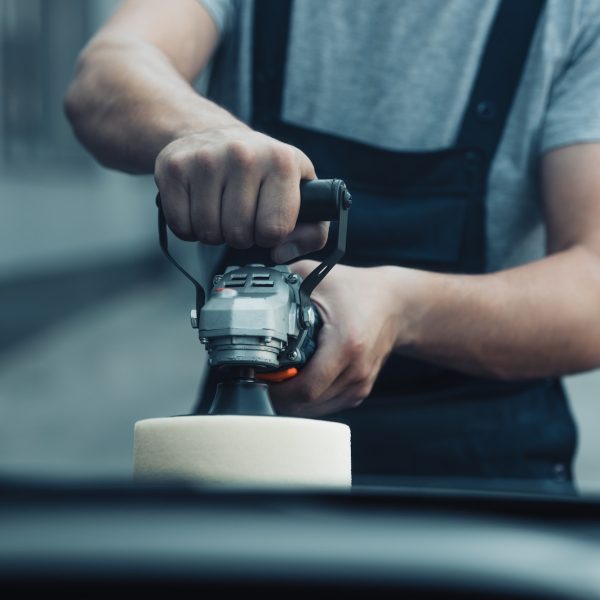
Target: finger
238, 209
345, 392
316, 376
344, 381
306, 237
307, 169
206, 191
175, 204
278, 206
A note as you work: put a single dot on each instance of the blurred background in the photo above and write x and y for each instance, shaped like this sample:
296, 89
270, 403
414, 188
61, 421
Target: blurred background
94, 330
94, 323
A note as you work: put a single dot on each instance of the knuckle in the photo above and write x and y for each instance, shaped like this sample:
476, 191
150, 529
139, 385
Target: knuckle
238, 237
173, 166
208, 236
284, 159
206, 160
271, 233
355, 344
181, 230
242, 155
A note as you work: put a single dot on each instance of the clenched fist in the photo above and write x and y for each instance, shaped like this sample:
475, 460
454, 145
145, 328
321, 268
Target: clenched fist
236, 186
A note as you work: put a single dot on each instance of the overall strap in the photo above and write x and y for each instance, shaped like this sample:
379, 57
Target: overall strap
492, 94
497, 80
270, 40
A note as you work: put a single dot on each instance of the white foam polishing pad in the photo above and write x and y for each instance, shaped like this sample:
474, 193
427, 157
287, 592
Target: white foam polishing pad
243, 451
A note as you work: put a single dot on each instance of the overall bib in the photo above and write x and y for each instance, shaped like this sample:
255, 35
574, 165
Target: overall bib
427, 210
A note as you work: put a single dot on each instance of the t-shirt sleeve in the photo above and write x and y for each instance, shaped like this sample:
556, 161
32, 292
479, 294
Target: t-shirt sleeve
573, 114
221, 12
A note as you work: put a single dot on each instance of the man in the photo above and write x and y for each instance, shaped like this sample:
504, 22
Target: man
465, 131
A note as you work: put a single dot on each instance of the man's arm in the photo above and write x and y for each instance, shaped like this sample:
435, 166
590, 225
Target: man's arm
132, 105
541, 319
132, 93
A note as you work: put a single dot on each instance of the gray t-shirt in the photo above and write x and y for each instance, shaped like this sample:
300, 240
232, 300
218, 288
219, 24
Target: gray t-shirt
397, 75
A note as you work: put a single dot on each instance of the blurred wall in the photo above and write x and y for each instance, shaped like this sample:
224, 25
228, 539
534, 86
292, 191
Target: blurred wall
59, 209
94, 324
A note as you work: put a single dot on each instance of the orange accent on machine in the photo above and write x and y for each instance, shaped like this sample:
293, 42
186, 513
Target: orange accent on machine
278, 376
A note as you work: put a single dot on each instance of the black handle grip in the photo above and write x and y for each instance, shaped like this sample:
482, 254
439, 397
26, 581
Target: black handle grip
320, 199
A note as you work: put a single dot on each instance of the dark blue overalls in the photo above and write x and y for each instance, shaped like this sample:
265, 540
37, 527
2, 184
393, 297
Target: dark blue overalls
427, 210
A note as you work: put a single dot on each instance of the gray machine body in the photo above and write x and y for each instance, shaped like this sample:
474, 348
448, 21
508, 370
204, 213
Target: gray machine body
252, 317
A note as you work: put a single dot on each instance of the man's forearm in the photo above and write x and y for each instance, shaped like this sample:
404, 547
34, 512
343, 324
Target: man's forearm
132, 105
128, 101
538, 320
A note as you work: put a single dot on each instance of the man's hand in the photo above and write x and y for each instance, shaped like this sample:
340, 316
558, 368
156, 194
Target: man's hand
533, 321
360, 321
132, 104
236, 186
